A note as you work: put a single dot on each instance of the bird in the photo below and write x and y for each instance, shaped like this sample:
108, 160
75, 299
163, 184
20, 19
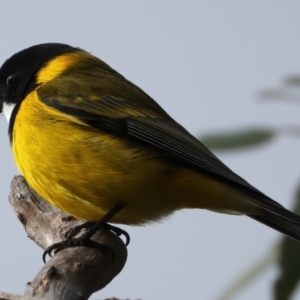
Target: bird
96, 146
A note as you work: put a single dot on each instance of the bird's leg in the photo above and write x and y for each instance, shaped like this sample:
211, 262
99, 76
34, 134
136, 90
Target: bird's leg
85, 239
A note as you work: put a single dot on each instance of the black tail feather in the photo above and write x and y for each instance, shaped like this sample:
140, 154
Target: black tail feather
280, 222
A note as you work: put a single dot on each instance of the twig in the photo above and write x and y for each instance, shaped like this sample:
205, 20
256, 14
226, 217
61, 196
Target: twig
74, 273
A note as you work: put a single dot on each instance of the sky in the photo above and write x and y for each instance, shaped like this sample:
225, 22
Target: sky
205, 63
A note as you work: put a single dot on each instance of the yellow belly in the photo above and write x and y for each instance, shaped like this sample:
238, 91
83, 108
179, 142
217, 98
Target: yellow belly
85, 172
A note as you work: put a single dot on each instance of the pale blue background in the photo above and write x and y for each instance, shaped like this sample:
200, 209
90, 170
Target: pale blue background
204, 62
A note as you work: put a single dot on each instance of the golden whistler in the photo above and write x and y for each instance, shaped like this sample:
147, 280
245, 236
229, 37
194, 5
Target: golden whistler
87, 140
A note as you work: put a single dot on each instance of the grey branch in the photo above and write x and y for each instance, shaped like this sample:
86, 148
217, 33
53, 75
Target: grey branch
73, 273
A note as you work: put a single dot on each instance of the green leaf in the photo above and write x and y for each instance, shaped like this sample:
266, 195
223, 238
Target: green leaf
238, 139
289, 263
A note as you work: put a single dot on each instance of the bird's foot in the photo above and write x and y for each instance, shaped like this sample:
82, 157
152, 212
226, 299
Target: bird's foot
68, 243
118, 231
85, 239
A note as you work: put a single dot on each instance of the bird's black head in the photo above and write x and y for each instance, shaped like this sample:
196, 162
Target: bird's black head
17, 74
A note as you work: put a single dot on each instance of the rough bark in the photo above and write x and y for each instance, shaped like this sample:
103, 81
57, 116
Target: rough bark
74, 273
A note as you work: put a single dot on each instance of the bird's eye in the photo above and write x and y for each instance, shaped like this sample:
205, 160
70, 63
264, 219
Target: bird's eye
10, 79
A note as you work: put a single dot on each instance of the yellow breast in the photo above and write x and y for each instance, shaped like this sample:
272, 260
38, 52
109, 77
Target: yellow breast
84, 171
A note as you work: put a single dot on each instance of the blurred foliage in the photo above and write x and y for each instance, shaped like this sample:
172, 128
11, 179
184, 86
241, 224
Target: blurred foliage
239, 139
286, 254
289, 262
289, 91
252, 274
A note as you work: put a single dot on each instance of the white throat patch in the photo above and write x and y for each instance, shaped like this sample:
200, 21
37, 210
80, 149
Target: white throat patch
7, 110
